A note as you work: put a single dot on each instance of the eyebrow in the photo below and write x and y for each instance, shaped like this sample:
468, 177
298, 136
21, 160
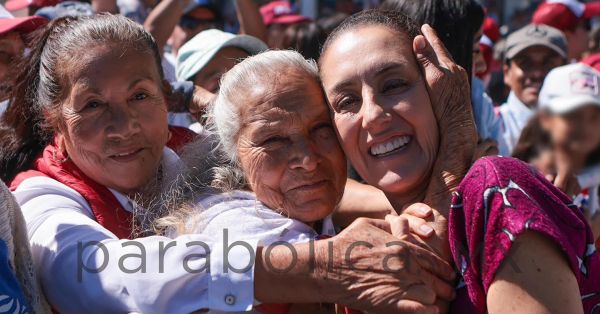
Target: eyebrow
380, 69
137, 81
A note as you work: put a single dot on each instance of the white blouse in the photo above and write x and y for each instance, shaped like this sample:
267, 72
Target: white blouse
153, 274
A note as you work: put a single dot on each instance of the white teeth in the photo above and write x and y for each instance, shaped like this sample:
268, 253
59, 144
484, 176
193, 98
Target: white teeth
124, 154
390, 145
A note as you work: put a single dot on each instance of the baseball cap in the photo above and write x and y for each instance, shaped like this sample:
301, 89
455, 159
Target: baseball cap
14, 5
194, 4
569, 87
536, 35
280, 12
67, 8
9, 23
199, 51
564, 14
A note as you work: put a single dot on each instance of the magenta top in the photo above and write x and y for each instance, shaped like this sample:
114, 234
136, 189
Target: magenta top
499, 199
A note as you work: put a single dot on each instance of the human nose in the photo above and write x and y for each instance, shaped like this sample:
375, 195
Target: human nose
374, 116
124, 122
304, 155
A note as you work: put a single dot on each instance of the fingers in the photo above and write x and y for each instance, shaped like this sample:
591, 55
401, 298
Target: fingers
398, 224
424, 53
408, 306
442, 54
432, 263
418, 210
421, 293
381, 224
441, 288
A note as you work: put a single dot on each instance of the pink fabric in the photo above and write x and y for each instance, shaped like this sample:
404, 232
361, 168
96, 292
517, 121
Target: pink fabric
499, 199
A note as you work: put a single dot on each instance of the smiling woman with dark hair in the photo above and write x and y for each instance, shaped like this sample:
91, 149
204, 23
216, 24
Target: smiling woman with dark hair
502, 213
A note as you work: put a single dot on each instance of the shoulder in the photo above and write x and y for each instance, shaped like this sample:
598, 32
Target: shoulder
507, 173
244, 218
36, 195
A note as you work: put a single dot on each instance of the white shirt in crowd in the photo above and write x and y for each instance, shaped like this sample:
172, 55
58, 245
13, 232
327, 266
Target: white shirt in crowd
515, 115
60, 223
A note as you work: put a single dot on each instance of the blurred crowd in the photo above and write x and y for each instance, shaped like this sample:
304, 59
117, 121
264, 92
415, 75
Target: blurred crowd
531, 89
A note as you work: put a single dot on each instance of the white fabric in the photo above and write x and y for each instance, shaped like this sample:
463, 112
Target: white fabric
569, 87
60, 222
240, 217
514, 115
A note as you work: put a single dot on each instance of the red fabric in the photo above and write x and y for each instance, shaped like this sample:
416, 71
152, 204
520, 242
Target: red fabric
180, 136
491, 29
273, 308
107, 210
593, 61
14, 5
280, 12
21, 24
556, 15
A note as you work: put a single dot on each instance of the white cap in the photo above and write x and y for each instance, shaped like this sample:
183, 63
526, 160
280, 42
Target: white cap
570, 87
197, 52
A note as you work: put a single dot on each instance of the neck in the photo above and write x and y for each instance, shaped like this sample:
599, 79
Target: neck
400, 200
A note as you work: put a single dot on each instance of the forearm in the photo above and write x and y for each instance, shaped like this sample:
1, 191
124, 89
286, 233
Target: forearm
162, 20
276, 268
109, 6
251, 22
361, 200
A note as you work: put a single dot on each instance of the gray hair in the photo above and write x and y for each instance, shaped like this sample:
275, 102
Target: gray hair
262, 68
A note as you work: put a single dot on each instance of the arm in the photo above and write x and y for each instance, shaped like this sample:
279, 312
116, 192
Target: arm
354, 204
62, 233
109, 6
162, 20
543, 282
251, 22
324, 270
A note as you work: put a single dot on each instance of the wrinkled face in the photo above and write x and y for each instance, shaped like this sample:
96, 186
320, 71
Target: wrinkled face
576, 130
288, 149
381, 107
11, 47
526, 72
224, 60
115, 116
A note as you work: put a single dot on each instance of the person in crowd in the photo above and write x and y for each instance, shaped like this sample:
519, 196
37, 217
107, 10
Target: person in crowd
12, 45
286, 150
89, 157
19, 289
570, 17
531, 52
277, 16
209, 55
460, 25
490, 35
388, 129
570, 114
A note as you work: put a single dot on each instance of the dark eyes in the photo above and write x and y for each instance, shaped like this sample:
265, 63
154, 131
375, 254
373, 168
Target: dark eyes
140, 96
273, 140
92, 104
392, 85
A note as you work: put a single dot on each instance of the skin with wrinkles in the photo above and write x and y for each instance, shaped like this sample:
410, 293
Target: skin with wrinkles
106, 113
288, 149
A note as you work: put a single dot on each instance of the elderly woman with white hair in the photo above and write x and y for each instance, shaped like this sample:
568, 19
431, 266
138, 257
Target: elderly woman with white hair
285, 171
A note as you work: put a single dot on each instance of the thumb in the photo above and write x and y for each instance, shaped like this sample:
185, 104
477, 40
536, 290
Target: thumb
424, 53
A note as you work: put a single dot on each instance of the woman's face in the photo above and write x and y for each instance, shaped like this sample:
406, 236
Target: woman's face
288, 149
115, 116
381, 108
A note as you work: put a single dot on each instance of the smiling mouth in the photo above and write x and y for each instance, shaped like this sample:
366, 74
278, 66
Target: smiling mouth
126, 156
389, 147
